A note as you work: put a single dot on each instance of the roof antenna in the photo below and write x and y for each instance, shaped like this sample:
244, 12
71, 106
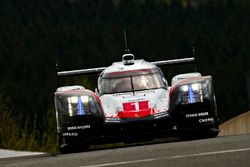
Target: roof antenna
57, 78
127, 51
194, 55
128, 58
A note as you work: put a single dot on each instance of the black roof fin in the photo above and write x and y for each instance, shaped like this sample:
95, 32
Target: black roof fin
127, 51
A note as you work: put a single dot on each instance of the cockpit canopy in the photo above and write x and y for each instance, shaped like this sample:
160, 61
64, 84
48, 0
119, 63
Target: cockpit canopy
130, 81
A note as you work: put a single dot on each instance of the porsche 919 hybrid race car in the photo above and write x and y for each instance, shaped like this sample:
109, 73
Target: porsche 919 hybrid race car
133, 98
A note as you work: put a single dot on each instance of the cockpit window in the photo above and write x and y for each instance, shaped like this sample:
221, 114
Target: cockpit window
131, 83
149, 81
115, 85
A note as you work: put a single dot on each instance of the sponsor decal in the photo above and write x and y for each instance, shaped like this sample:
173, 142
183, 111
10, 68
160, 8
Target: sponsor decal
78, 127
161, 114
193, 115
202, 114
111, 115
122, 94
112, 120
206, 120
144, 91
70, 134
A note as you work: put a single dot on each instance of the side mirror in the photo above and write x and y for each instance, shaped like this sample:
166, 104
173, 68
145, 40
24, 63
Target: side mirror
165, 82
96, 91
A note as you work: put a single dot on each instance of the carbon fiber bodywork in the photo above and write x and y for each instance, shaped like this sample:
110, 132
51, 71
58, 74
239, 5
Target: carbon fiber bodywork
199, 112
139, 126
80, 117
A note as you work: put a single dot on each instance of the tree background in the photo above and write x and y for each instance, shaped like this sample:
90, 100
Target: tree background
34, 35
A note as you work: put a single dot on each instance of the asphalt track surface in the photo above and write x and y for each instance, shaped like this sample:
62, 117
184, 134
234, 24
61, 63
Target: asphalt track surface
221, 151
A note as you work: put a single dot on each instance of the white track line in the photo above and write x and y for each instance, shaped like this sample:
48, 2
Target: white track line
13, 153
171, 157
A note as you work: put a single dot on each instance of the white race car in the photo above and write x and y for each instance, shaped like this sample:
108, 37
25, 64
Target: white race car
134, 99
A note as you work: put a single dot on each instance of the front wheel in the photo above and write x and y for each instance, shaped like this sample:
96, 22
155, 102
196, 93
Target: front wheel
187, 135
212, 134
70, 146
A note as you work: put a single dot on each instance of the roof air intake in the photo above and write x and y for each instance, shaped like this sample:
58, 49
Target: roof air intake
128, 59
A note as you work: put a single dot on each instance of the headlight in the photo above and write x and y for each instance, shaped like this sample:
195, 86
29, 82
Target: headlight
76, 105
184, 88
196, 87
191, 93
197, 90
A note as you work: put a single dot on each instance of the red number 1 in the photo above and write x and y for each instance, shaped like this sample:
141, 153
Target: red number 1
135, 106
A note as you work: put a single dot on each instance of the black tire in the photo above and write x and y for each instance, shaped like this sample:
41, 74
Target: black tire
212, 134
73, 149
66, 146
64, 150
186, 135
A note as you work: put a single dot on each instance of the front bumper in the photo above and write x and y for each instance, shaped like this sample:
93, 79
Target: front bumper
147, 126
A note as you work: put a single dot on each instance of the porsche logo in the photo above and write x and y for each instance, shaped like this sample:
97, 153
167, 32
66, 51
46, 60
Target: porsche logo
136, 115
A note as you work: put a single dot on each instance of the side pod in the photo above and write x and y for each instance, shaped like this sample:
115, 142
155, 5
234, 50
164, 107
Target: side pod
79, 117
193, 106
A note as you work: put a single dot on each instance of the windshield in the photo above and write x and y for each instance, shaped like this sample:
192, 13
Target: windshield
131, 83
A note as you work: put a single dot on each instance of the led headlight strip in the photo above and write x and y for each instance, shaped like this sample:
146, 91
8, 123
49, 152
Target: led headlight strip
192, 93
